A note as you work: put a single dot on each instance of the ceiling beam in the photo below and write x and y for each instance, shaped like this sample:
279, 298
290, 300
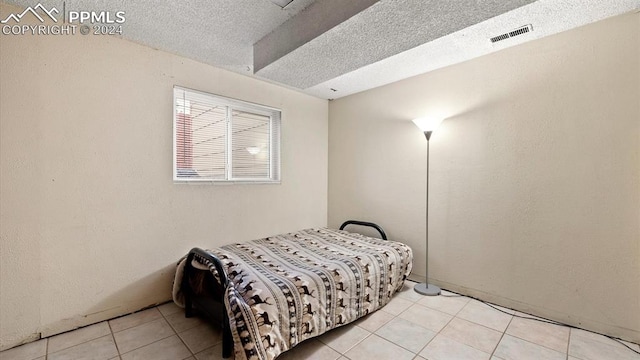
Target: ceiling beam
376, 33
315, 20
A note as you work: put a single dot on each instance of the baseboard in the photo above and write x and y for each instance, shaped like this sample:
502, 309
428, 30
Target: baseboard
578, 322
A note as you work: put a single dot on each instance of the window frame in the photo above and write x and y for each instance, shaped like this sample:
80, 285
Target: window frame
275, 136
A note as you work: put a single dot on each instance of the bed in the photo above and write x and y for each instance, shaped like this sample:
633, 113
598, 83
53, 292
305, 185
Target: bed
270, 294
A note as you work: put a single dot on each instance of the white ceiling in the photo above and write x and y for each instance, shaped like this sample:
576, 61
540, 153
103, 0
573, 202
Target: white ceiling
346, 45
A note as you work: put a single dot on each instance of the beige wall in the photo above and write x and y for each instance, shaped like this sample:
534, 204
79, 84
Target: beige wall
91, 222
535, 186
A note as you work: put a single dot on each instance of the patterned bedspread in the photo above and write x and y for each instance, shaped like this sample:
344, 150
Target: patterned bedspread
288, 288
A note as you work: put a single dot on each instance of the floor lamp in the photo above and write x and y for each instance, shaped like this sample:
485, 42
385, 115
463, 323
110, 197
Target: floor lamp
427, 125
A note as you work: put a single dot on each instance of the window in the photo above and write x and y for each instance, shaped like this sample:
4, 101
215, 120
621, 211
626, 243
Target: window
222, 139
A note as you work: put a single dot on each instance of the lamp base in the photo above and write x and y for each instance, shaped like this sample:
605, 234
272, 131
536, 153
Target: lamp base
427, 289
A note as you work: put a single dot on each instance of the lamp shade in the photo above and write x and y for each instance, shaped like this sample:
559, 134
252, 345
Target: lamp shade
427, 124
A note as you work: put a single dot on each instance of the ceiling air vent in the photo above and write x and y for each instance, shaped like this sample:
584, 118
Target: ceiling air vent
519, 31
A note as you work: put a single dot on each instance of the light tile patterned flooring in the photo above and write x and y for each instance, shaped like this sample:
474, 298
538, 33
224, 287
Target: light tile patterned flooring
410, 327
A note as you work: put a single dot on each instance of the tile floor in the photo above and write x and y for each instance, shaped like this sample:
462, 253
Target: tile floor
410, 327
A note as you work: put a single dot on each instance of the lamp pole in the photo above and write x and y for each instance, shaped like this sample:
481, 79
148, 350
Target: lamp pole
427, 134
425, 288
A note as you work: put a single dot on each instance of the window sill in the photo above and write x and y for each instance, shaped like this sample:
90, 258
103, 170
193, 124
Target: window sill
226, 182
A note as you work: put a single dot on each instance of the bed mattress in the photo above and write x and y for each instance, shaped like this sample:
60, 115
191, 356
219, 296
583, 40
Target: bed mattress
288, 288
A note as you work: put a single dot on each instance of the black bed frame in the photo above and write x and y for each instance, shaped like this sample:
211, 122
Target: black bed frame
213, 308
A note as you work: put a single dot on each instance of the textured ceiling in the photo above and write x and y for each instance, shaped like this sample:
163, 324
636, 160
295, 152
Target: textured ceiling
216, 32
334, 48
380, 31
547, 17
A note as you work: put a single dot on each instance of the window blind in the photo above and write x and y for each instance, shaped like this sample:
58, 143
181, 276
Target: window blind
222, 139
